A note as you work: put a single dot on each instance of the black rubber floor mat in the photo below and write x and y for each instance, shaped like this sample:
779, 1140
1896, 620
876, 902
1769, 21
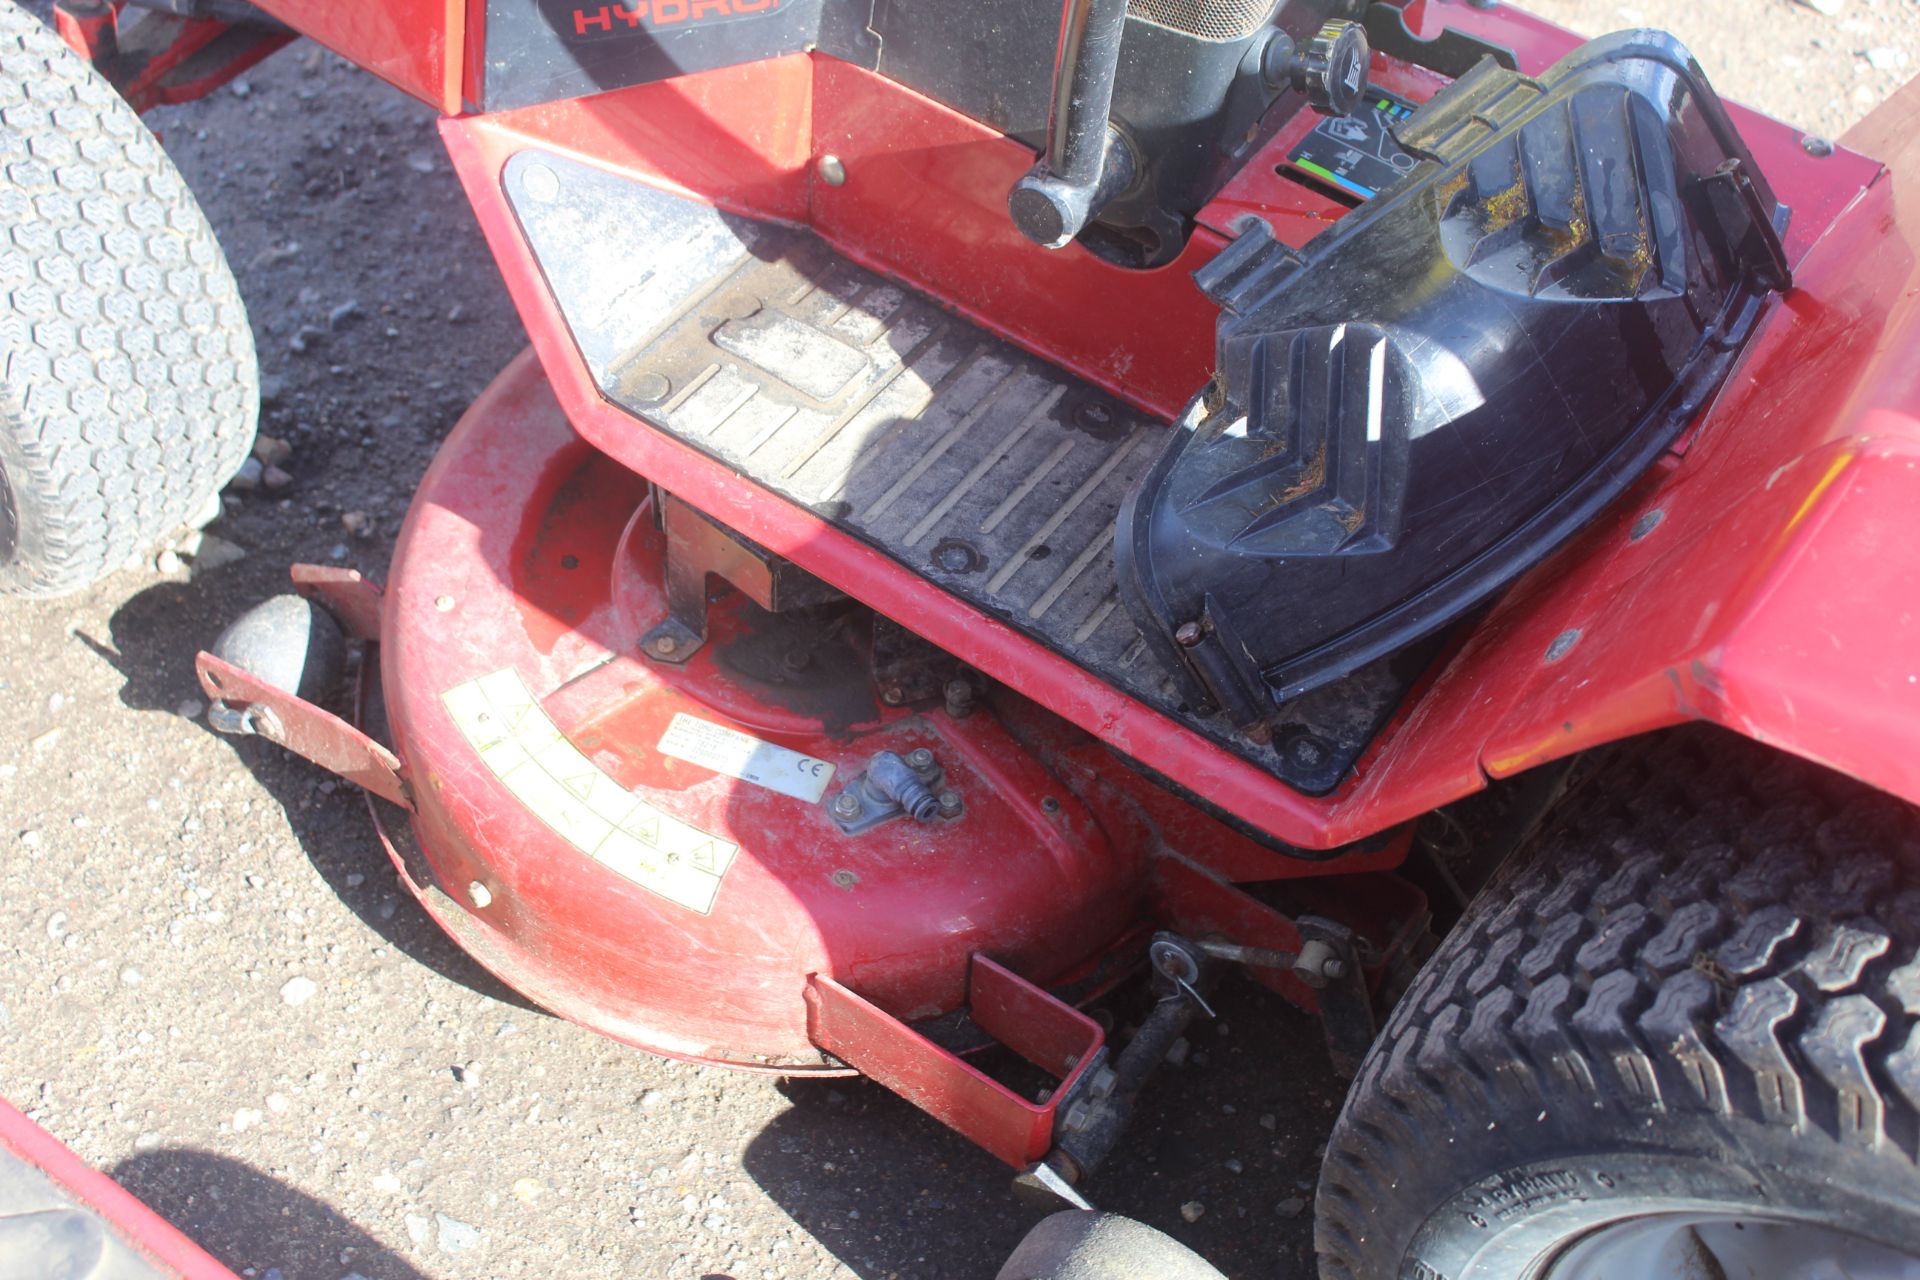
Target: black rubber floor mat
968, 460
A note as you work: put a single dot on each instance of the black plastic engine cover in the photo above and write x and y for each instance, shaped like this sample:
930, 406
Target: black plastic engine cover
1455, 377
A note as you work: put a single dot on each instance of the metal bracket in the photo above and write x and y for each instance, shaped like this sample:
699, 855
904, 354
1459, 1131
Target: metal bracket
357, 601
1051, 1034
894, 786
1346, 1007
699, 547
256, 707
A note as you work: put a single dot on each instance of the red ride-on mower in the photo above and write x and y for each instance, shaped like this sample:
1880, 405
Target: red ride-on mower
1383, 498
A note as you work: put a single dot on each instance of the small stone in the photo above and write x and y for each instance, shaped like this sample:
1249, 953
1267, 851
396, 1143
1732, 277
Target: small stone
272, 388
131, 977
454, 1236
241, 89
343, 313
271, 450
57, 925
167, 563
418, 1229
456, 313
216, 553
277, 1103
468, 1076
245, 1118
147, 1141
1193, 1211
247, 478
41, 741
190, 708
1886, 58
357, 523
277, 478
297, 991
420, 162
188, 543
651, 1100
1291, 1207
528, 1189
385, 1181
339, 551
1234, 1166
31, 839
1268, 1123
355, 880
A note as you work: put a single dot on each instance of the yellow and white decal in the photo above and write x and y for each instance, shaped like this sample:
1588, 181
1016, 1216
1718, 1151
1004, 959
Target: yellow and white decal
559, 785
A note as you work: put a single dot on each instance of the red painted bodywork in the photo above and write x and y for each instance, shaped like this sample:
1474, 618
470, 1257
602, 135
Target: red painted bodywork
1761, 577
528, 549
129, 1219
1474, 716
418, 46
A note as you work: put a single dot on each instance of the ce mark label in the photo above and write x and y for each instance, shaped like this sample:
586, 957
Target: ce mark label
743, 756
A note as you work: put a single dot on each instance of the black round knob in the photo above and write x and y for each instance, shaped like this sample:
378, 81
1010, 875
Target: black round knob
1331, 68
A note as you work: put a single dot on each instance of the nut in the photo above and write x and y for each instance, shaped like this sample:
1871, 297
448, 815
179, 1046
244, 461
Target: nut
950, 804
847, 805
920, 758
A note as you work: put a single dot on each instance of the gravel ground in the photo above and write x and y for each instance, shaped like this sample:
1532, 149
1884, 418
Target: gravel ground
211, 984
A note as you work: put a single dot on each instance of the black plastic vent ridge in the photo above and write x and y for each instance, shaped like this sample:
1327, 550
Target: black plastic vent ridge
1452, 380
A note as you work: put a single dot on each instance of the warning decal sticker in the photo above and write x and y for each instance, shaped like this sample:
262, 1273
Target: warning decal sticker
596, 815
743, 756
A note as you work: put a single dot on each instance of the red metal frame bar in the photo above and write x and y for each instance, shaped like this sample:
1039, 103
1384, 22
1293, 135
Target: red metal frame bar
309, 731
356, 600
1054, 1036
130, 1219
160, 59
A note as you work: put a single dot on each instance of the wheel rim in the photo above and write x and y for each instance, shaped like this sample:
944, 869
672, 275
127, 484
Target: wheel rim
1683, 1246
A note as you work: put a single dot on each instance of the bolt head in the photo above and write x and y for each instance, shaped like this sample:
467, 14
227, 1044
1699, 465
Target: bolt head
950, 804
540, 182
832, 170
847, 805
919, 757
479, 895
664, 644
892, 696
1335, 968
1188, 634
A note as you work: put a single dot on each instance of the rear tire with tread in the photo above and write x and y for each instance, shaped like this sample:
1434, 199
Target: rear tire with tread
128, 384
1695, 992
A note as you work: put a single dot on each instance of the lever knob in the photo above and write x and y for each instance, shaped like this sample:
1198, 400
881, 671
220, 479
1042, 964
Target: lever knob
1331, 69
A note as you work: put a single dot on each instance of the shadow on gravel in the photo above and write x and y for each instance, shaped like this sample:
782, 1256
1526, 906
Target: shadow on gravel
1232, 1138
152, 642
886, 1189
247, 1219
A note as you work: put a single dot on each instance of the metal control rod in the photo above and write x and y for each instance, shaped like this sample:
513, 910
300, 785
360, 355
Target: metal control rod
1087, 163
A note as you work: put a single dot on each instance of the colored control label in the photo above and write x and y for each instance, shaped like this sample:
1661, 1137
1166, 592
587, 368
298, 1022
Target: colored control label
1357, 153
559, 785
743, 756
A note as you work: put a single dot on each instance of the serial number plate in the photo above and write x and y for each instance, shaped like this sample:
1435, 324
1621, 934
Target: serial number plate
741, 755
